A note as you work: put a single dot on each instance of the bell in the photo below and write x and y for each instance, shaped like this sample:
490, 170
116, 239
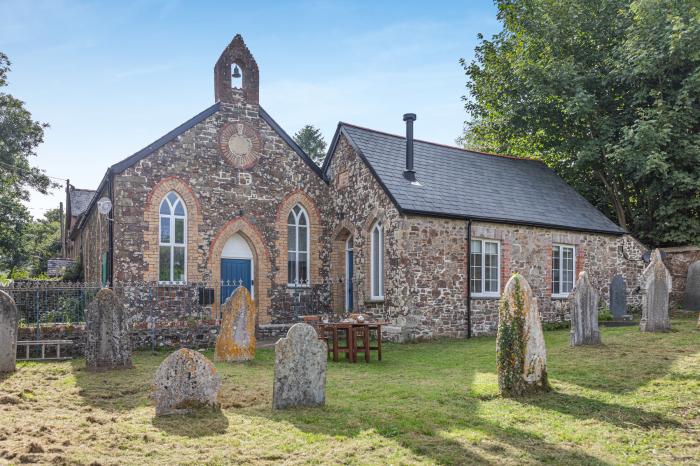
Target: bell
236, 72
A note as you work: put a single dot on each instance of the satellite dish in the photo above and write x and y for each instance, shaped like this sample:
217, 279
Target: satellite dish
104, 205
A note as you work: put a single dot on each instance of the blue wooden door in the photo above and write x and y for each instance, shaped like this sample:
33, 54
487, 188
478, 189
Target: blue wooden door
234, 271
349, 280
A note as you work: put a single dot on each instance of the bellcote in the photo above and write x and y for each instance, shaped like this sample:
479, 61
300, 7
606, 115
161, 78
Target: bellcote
236, 74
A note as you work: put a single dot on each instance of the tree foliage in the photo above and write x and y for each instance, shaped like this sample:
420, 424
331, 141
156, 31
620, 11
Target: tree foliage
19, 137
311, 141
607, 93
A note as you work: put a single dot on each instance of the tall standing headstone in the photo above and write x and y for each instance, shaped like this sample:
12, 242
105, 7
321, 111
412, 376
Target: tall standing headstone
236, 340
108, 344
584, 313
186, 380
9, 320
618, 297
656, 286
521, 353
300, 369
691, 300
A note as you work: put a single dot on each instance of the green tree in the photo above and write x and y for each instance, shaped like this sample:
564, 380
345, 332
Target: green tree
311, 141
19, 137
606, 92
43, 240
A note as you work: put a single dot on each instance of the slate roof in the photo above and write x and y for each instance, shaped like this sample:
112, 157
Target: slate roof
80, 200
457, 183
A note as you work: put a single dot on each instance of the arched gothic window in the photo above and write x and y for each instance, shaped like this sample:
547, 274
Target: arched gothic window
172, 239
298, 247
377, 261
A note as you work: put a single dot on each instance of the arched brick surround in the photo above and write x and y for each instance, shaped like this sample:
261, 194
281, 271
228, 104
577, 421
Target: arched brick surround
303, 199
340, 235
261, 256
194, 219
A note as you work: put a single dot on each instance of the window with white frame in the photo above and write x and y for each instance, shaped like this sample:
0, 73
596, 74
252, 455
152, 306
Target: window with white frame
298, 247
485, 268
172, 237
563, 266
377, 261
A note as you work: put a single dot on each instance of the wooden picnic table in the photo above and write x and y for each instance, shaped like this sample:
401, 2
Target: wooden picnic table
334, 332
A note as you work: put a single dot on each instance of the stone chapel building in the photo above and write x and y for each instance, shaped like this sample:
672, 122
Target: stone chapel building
417, 233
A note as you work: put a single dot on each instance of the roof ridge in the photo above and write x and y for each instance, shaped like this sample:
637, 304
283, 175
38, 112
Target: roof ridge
442, 145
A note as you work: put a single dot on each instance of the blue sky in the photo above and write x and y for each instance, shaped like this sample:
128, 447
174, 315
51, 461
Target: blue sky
111, 77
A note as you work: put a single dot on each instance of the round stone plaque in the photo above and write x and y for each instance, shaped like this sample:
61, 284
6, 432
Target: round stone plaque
239, 144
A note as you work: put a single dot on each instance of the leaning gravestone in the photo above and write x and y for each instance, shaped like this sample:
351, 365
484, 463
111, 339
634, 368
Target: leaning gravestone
618, 297
108, 345
186, 380
691, 300
521, 353
656, 286
9, 319
300, 369
584, 313
236, 340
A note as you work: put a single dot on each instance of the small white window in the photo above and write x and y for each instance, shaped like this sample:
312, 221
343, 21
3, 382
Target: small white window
485, 268
377, 261
172, 239
298, 247
563, 266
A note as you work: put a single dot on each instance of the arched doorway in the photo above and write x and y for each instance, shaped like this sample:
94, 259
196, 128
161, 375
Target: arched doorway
237, 266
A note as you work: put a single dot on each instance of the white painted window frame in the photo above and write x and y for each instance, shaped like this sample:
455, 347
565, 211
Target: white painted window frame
560, 260
172, 244
296, 251
482, 294
377, 295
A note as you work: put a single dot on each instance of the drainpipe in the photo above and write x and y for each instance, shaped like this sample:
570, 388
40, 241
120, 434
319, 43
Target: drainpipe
469, 278
110, 232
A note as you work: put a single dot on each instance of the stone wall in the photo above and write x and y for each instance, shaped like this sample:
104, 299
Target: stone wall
222, 201
678, 261
426, 259
94, 242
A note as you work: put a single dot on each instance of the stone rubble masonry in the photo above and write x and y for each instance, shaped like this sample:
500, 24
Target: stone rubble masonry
426, 259
9, 320
678, 261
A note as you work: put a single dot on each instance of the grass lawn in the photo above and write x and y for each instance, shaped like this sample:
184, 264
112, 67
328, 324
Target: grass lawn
634, 400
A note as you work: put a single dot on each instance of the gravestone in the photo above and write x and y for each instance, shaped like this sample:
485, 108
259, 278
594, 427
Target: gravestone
584, 313
520, 349
618, 297
691, 300
186, 380
9, 319
656, 286
300, 369
236, 340
108, 345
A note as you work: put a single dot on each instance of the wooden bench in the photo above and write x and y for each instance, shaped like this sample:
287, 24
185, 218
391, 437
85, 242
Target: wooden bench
43, 344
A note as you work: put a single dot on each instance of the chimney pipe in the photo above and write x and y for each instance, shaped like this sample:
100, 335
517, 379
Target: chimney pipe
409, 173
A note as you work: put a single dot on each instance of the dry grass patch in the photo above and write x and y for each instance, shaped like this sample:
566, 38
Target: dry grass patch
634, 400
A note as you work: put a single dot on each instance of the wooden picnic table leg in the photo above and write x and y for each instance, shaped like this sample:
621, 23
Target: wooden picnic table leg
366, 341
335, 344
379, 342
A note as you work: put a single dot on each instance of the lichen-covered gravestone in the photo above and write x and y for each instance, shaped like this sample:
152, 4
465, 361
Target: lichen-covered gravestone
236, 340
108, 344
9, 319
186, 380
300, 369
656, 286
521, 353
618, 297
691, 300
584, 313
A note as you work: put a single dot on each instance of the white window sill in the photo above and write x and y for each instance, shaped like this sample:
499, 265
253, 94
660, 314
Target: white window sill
561, 296
376, 299
485, 295
172, 283
292, 285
